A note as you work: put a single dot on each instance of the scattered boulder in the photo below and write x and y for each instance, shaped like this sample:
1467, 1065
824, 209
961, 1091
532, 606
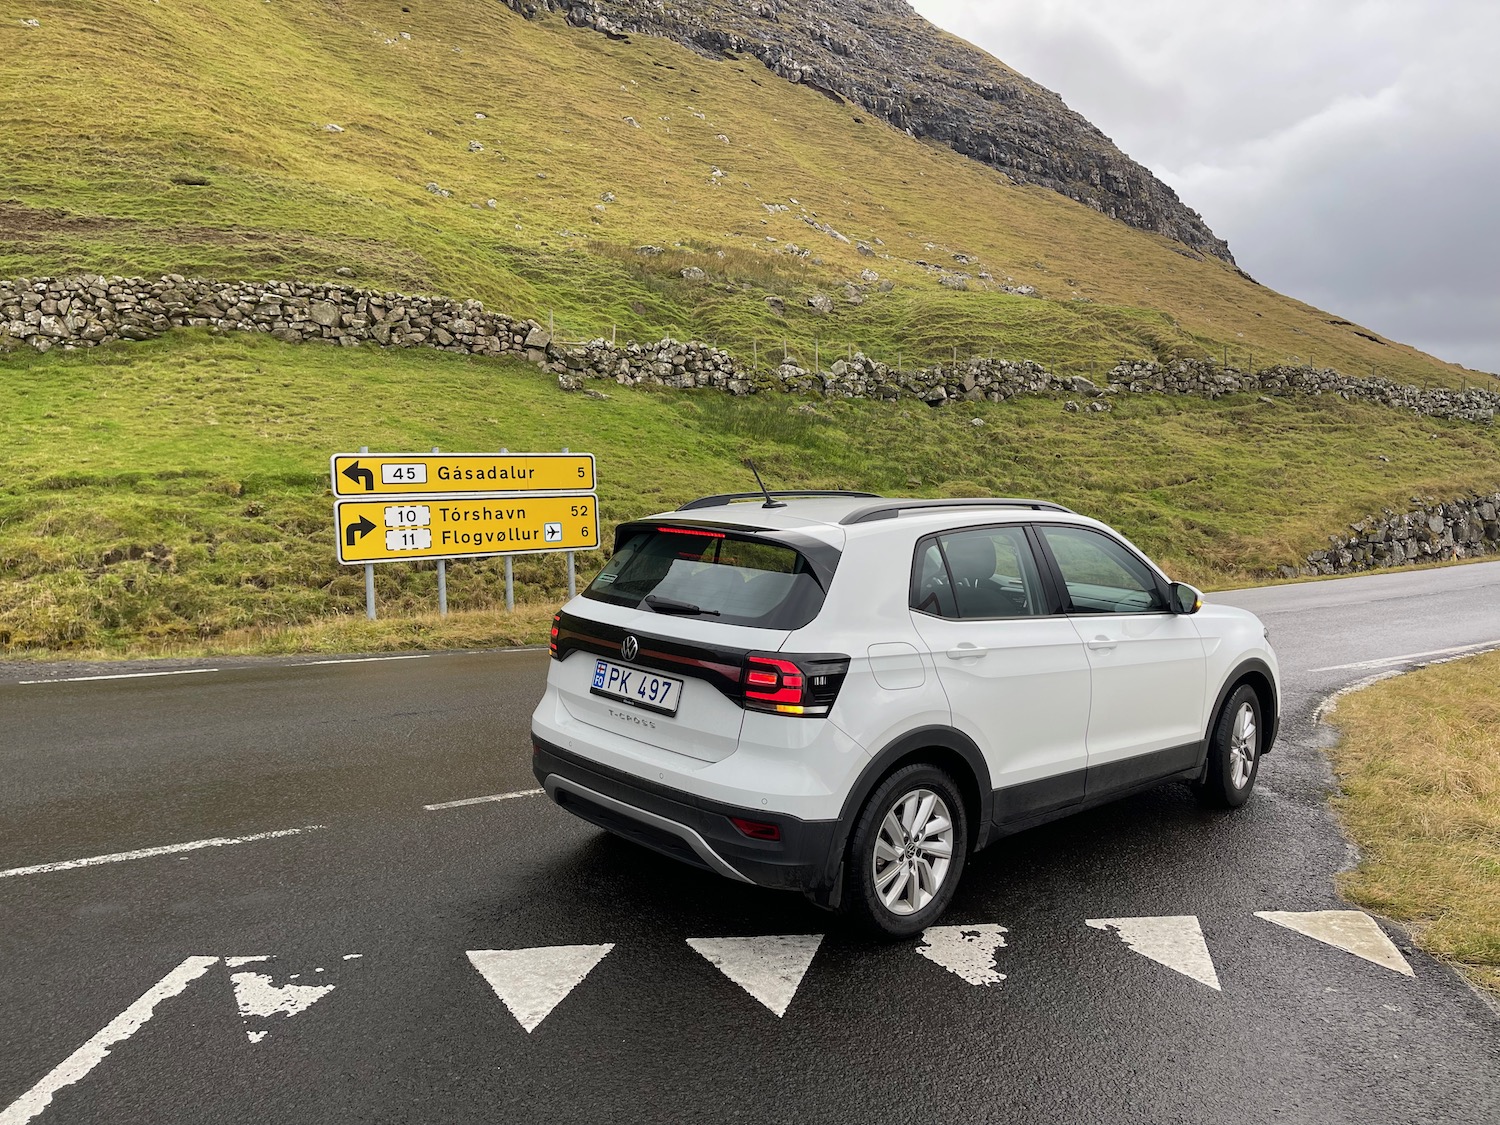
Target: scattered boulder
820, 303
694, 273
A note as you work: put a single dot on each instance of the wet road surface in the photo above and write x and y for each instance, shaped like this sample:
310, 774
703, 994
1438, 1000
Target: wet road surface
366, 964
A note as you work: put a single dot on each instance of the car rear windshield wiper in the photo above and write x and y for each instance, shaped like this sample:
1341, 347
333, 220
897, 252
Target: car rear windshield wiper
667, 605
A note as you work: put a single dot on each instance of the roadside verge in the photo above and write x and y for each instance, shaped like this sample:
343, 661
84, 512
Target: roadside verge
1418, 766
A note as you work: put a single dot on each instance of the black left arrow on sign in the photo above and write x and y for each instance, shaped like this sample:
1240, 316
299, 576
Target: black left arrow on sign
357, 531
357, 474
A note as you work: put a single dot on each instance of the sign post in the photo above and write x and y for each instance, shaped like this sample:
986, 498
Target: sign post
369, 570
436, 506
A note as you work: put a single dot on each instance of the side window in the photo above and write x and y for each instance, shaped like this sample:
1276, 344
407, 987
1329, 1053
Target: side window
1100, 574
994, 573
931, 591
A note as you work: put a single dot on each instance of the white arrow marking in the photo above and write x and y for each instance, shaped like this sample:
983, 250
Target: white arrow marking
768, 968
91, 1054
258, 997
532, 982
1353, 931
1174, 941
967, 951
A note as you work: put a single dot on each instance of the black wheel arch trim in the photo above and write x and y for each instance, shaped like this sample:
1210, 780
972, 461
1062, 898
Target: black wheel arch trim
1242, 671
913, 742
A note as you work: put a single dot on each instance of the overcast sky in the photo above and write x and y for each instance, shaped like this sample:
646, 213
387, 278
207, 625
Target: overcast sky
1349, 150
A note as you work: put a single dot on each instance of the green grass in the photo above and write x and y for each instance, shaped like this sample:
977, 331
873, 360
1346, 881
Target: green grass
1419, 769
109, 106
176, 492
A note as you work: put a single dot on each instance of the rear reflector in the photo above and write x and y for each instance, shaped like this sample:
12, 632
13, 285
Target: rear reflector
556, 628
755, 829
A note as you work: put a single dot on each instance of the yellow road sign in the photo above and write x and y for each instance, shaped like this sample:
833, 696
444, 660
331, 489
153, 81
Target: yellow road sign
464, 527
416, 474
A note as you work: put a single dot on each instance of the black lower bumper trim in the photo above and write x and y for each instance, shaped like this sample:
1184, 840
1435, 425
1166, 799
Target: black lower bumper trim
804, 859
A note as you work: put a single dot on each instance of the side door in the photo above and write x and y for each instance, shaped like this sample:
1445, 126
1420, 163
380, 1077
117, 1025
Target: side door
1013, 667
1149, 665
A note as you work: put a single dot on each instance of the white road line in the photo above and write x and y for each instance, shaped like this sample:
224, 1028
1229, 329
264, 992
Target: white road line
91, 1054
1387, 661
360, 660
1175, 941
147, 853
481, 800
121, 676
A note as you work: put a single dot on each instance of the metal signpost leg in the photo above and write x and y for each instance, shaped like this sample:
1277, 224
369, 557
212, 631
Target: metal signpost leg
442, 565
572, 567
510, 570
369, 574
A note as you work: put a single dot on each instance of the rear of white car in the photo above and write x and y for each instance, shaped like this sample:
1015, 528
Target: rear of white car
677, 715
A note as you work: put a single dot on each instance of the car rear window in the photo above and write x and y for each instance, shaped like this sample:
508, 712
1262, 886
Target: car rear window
739, 580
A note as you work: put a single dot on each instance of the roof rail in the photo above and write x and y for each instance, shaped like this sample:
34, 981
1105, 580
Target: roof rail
892, 509
731, 497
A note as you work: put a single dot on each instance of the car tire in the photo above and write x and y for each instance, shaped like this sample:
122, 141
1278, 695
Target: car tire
1234, 752
907, 852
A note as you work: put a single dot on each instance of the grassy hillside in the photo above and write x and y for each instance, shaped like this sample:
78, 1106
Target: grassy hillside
176, 491
190, 136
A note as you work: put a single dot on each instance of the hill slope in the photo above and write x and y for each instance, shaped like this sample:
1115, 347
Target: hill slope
882, 55
526, 162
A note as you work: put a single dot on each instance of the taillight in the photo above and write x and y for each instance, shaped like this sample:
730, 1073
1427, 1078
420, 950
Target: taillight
804, 685
556, 628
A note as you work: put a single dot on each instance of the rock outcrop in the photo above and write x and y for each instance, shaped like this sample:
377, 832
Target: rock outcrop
882, 56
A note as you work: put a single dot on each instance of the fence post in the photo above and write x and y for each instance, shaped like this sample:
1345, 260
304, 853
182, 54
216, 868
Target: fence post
442, 578
817, 356
572, 565
510, 569
369, 574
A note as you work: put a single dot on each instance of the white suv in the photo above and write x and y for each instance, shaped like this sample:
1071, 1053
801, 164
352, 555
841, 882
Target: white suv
848, 695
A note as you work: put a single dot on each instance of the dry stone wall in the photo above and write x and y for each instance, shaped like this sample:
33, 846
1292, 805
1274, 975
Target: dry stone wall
1432, 531
83, 311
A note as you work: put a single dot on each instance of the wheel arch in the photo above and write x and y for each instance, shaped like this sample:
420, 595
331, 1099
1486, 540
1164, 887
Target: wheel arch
948, 749
1257, 674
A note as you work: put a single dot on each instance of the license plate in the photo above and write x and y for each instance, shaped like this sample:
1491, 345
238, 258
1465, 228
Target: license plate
632, 685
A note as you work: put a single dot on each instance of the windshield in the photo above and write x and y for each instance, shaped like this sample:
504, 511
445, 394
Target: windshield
711, 576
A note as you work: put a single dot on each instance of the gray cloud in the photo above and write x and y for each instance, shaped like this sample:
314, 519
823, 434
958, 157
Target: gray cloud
1347, 149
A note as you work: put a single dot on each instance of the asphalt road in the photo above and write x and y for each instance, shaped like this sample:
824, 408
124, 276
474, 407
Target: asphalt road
370, 1008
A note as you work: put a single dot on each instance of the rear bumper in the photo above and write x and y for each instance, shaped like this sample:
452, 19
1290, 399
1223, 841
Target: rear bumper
692, 829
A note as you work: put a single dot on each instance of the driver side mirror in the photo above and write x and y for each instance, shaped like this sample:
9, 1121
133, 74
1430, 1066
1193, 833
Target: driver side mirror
1185, 599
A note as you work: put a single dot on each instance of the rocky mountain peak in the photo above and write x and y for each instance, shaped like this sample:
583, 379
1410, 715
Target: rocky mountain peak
883, 56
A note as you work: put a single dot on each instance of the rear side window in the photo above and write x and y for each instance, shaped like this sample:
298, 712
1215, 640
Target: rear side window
982, 574
1100, 574
711, 576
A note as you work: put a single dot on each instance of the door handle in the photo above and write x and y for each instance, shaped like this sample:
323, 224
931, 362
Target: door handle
1102, 644
967, 652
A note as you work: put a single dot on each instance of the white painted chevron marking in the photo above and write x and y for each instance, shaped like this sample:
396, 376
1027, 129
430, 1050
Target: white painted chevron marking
1353, 931
768, 968
1175, 941
966, 951
532, 982
259, 997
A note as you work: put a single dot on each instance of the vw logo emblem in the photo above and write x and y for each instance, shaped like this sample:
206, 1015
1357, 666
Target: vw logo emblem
630, 648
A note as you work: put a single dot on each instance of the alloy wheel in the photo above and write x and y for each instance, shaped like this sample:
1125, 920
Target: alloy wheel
913, 851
